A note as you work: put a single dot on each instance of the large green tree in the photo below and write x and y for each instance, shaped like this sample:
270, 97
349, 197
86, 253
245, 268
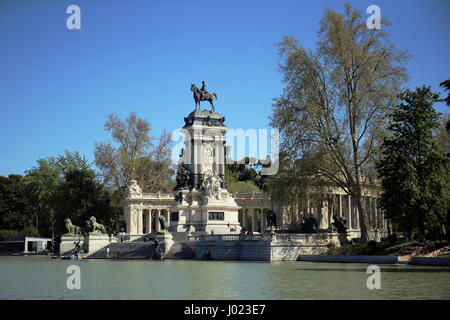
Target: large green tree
331, 108
132, 154
413, 169
79, 197
15, 214
41, 185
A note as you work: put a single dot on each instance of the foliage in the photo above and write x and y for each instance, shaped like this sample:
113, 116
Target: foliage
443, 134
309, 224
8, 234
334, 98
446, 85
414, 170
242, 177
81, 197
339, 224
14, 210
133, 155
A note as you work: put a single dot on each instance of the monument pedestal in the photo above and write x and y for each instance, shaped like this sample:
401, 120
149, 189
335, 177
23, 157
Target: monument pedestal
68, 243
165, 241
200, 215
93, 243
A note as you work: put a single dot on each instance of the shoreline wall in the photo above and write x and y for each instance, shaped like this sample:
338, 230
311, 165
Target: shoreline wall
260, 247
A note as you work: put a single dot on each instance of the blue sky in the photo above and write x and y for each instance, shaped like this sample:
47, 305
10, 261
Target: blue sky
57, 86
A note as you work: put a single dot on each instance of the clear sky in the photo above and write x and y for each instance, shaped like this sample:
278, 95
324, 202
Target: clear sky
57, 86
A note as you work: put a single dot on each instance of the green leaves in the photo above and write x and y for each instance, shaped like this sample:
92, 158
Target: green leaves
414, 171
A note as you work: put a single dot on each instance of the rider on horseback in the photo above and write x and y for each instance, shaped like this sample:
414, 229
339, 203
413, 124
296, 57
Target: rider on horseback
203, 90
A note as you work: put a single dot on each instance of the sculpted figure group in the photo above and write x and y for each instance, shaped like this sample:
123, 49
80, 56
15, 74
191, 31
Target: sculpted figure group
92, 228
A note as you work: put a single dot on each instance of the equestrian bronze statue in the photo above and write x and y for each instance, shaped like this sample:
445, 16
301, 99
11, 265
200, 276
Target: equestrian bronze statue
203, 95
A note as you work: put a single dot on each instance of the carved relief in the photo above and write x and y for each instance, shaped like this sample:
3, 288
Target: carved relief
211, 185
207, 157
133, 189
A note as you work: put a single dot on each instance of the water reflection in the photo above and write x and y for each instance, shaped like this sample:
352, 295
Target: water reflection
42, 278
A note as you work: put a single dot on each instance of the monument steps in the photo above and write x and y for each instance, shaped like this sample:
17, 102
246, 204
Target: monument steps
125, 250
180, 249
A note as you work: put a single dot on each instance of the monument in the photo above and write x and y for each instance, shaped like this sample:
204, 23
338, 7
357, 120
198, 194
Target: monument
96, 237
70, 239
202, 203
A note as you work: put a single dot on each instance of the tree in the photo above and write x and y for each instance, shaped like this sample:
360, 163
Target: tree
446, 85
14, 211
41, 185
443, 134
295, 184
334, 98
413, 169
80, 196
132, 155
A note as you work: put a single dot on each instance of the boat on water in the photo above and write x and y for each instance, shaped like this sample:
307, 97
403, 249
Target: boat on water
72, 257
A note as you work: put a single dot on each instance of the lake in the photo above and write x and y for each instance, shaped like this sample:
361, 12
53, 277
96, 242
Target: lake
43, 278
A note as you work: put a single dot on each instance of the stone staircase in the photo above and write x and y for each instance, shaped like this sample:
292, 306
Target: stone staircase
140, 249
125, 250
180, 249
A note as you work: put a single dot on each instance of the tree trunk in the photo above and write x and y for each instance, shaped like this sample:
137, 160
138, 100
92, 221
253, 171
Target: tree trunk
365, 237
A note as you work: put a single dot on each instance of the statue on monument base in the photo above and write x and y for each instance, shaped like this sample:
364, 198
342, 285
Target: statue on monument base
211, 186
203, 95
164, 227
95, 228
72, 230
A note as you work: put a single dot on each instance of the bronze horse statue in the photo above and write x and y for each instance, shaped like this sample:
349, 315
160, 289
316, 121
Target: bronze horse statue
200, 96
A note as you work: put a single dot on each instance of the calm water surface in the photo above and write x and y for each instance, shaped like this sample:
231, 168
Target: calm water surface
44, 278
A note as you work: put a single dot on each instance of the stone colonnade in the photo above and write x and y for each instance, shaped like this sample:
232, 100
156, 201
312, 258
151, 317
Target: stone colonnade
257, 204
341, 205
142, 212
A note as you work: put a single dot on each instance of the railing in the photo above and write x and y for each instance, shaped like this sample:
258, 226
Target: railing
254, 195
299, 237
226, 237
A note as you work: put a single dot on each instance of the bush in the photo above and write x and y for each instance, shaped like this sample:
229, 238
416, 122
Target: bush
392, 238
30, 231
309, 224
372, 245
8, 234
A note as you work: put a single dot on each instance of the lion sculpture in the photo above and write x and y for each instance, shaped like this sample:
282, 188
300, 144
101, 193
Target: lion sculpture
72, 229
94, 227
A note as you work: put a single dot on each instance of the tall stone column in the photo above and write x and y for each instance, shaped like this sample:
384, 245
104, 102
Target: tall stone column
349, 209
158, 225
244, 217
140, 229
254, 220
263, 220
149, 220
340, 205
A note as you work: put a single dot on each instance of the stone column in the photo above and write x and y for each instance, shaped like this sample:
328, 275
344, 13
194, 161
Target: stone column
349, 209
158, 225
340, 205
373, 211
244, 217
149, 220
168, 217
254, 220
140, 229
263, 220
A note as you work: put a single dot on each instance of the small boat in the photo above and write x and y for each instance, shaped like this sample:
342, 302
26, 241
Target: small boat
73, 257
